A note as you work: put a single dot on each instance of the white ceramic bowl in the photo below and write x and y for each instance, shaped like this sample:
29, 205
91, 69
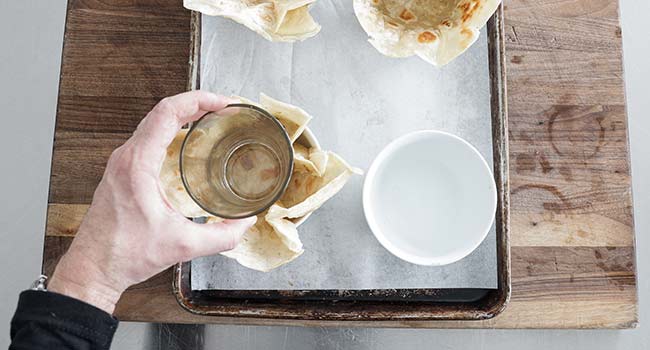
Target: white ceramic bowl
430, 198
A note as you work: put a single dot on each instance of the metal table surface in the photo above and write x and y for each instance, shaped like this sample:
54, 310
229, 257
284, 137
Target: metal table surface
29, 70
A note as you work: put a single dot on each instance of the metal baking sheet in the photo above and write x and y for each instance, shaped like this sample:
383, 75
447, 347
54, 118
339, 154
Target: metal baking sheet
360, 100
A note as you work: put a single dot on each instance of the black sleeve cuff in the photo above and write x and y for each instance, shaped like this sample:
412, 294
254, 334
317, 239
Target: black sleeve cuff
60, 313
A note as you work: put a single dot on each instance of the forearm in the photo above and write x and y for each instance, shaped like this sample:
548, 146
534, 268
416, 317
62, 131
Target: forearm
54, 321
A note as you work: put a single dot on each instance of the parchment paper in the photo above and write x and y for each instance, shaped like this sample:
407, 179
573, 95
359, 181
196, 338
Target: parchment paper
360, 100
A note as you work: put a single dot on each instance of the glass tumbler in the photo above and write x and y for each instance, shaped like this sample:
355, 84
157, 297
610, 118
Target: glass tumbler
236, 162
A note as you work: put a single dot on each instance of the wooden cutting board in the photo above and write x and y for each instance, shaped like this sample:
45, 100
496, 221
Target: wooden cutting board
572, 229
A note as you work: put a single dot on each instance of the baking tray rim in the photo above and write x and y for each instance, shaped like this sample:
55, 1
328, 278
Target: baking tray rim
289, 305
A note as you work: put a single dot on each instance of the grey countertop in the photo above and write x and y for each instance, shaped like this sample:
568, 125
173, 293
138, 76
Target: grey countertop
29, 72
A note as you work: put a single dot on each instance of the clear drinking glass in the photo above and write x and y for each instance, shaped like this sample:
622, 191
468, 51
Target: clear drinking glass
236, 162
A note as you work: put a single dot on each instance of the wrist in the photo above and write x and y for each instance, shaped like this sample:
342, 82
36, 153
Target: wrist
76, 279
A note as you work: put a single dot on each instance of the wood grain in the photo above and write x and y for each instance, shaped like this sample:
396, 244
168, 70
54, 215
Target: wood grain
571, 211
589, 287
64, 219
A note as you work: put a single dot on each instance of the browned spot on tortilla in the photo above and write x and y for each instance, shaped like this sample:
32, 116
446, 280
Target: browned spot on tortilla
180, 188
170, 152
469, 9
446, 23
391, 23
407, 15
311, 184
376, 2
467, 41
426, 37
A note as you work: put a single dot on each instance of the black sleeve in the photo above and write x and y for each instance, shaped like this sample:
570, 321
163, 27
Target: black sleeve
47, 320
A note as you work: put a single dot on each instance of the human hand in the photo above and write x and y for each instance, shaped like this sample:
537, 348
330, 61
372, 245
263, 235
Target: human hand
131, 232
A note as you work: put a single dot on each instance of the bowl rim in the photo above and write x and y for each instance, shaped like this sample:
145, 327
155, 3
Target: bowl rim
377, 231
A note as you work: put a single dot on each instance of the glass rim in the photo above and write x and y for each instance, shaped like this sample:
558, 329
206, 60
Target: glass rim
285, 181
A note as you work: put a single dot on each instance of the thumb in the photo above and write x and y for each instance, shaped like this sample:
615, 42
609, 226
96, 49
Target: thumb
209, 239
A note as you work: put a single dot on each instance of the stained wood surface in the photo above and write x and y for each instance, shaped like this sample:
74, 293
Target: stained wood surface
572, 230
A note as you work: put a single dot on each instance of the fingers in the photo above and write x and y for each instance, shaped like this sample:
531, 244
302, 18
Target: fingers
158, 128
209, 239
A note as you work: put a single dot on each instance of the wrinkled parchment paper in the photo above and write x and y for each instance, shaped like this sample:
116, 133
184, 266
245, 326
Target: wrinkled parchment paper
360, 100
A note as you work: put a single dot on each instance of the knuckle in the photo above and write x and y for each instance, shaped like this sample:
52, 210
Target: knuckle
165, 105
115, 155
125, 167
163, 110
163, 115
